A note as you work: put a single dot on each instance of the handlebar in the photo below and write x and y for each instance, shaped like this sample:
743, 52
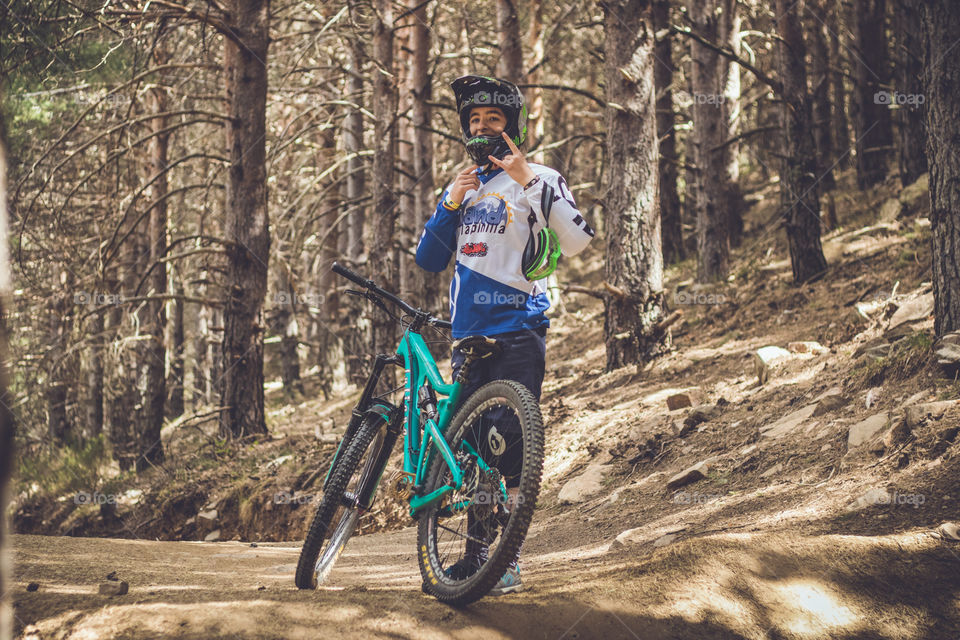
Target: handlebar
356, 278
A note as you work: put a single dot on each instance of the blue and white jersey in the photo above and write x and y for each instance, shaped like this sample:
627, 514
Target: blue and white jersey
489, 294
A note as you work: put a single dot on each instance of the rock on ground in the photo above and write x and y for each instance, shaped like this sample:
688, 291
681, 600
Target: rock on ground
829, 400
589, 483
701, 413
916, 414
685, 399
766, 357
918, 308
787, 423
689, 475
865, 430
111, 588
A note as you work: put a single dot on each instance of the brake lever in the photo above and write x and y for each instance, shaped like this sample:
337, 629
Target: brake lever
354, 292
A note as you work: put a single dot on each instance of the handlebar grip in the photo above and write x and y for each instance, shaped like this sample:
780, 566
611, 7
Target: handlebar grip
441, 324
350, 275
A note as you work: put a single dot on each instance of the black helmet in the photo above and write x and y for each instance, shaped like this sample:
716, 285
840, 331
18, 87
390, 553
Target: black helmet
483, 91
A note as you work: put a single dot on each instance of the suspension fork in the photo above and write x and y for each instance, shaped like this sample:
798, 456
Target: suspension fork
363, 407
369, 488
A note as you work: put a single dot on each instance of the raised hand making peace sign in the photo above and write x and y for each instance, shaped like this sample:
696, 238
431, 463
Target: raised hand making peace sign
514, 164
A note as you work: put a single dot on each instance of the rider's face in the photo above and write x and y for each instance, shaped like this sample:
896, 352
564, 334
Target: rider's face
487, 121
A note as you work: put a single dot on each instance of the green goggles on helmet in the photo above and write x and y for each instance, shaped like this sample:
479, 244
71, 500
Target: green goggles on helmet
542, 252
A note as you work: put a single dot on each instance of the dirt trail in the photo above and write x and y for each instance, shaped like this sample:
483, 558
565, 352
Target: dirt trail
729, 585
768, 544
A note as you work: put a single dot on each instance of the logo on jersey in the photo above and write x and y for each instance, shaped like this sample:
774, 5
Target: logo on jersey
490, 214
475, 249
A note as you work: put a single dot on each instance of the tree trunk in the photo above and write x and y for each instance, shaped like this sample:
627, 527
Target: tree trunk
7, 444
535, 118
353, 144
820, 82
912, 138
668, 161
332, 360
382, 256
330, 334
247, 222
284, 324
7, 426
510, 64
58, 426
634, 262
409, 176
94, 374
731, 113
119, 391
872, 115
424, 197
798, 183
941, 20
712, 19
355, 335
840, 123
691, 179
422, 112
175, 341
206, 353
151, 377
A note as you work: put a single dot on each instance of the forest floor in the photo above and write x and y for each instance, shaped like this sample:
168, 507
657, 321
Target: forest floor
809, 506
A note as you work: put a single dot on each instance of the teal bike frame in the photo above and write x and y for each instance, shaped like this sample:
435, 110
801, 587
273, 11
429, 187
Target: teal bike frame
420, 368
422, 383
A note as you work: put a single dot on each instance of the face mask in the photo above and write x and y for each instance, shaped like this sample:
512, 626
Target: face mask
479, 147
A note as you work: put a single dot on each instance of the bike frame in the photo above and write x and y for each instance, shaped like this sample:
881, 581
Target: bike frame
420, 368
419, 445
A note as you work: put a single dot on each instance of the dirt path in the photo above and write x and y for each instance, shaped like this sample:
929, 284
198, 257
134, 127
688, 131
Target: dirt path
730, 585
766, 546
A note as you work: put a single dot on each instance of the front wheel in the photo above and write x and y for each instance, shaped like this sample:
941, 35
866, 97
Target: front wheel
466, 541
356, 474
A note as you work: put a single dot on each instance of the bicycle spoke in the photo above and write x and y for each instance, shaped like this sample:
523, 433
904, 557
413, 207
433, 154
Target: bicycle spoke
465, 536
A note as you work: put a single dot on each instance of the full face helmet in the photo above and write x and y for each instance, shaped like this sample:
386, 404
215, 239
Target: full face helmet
483, 91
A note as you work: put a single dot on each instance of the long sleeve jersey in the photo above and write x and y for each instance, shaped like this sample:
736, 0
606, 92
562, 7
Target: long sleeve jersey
489, 294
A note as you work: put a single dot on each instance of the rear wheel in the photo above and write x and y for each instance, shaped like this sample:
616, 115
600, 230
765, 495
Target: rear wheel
336, 518
466, 541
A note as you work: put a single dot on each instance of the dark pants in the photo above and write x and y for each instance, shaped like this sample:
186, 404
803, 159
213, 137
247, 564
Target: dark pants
522, 358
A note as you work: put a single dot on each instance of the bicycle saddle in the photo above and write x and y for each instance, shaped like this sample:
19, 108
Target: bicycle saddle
477, 347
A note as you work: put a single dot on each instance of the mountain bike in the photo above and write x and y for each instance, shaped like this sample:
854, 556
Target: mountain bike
470, 472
